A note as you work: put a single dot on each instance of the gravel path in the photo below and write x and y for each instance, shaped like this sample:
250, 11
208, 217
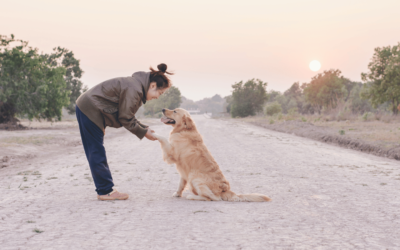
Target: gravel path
323, 197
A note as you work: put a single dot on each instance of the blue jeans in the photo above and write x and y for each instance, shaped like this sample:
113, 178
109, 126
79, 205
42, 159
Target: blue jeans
93, 140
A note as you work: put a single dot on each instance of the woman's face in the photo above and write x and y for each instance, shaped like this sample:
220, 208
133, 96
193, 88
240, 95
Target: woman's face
153, 92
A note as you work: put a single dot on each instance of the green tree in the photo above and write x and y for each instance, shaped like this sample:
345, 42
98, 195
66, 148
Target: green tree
170, 100
248, 98
384, 74
29, 85
325, 89
64, 58
359, 105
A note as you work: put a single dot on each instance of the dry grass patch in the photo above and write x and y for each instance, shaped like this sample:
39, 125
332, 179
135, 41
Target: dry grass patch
35, 140
373, 133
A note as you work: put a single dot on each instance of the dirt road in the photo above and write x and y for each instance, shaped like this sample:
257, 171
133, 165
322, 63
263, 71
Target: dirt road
323, 197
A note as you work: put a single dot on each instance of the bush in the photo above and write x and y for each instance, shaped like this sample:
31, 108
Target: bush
273, 108
248, 98
366, 116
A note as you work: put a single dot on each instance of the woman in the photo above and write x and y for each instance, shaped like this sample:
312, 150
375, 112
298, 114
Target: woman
114, 103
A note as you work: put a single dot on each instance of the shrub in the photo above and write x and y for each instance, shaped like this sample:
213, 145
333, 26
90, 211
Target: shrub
248, 98
273, 108
366, 116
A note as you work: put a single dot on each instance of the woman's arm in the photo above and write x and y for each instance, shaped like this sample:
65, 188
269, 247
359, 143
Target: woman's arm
129, 103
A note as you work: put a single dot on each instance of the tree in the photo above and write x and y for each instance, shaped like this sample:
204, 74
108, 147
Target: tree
170, 100
64, 58
188, 104
29, 85
248, 98
228, 103
384, 74
325, 89
214, 105
358, 104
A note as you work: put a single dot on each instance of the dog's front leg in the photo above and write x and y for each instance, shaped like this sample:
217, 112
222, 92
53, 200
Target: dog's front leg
182, 185
166, 148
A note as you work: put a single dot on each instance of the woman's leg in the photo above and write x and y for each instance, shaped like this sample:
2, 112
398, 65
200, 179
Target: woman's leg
92, 140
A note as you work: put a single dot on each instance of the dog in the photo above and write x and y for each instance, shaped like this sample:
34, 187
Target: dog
197, 168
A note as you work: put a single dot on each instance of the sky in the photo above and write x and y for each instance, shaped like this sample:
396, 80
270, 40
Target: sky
209, 44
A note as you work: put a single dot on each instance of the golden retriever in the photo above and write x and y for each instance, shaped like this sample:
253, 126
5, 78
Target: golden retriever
194, 162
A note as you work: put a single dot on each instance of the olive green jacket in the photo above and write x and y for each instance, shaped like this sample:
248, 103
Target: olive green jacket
114, 102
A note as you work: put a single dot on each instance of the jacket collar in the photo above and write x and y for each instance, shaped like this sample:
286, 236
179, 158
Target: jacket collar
144, 79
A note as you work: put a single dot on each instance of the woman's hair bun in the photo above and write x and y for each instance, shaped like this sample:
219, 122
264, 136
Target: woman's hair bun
162, 67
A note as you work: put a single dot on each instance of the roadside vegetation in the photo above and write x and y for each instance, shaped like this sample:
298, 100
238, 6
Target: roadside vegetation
332, 108
36, 85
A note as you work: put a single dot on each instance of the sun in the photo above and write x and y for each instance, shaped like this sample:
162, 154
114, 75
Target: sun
315, 65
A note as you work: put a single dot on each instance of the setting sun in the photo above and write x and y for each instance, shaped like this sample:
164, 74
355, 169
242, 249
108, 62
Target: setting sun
315, 65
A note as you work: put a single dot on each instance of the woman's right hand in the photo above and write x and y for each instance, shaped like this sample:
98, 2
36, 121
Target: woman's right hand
149, 135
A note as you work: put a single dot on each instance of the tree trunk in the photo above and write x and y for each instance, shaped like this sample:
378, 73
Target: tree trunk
7, 113
395, 108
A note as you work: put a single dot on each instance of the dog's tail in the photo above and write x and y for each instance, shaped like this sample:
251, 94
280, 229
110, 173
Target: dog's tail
231, 196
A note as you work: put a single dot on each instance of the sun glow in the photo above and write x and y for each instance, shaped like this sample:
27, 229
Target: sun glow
315, 65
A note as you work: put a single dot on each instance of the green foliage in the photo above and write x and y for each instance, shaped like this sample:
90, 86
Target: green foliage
367, 116
342, 132
188, 104
29, 85
214, 105
170, 100
248, 98
358, 104
384, 74
65, 58
228, 103
325, 89
273, 108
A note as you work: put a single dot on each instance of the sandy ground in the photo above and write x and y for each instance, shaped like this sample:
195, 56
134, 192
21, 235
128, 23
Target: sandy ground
323, 196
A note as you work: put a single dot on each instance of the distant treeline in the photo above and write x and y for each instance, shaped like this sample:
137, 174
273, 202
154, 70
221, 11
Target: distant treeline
326, 91
37, 85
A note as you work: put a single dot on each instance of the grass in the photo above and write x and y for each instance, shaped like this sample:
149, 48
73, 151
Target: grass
383, 130
37, 231
36, 140
200, 211
89, 178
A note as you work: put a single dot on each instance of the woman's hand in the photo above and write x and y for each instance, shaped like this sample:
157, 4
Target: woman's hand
149, 135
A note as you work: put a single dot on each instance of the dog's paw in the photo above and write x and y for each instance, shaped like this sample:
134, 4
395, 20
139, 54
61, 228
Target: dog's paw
176, 195
191, 197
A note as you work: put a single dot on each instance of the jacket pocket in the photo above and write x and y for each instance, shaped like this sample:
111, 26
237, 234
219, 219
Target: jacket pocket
110, 115
110, 110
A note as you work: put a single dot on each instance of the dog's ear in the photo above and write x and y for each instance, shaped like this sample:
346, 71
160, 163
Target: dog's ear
188, 122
